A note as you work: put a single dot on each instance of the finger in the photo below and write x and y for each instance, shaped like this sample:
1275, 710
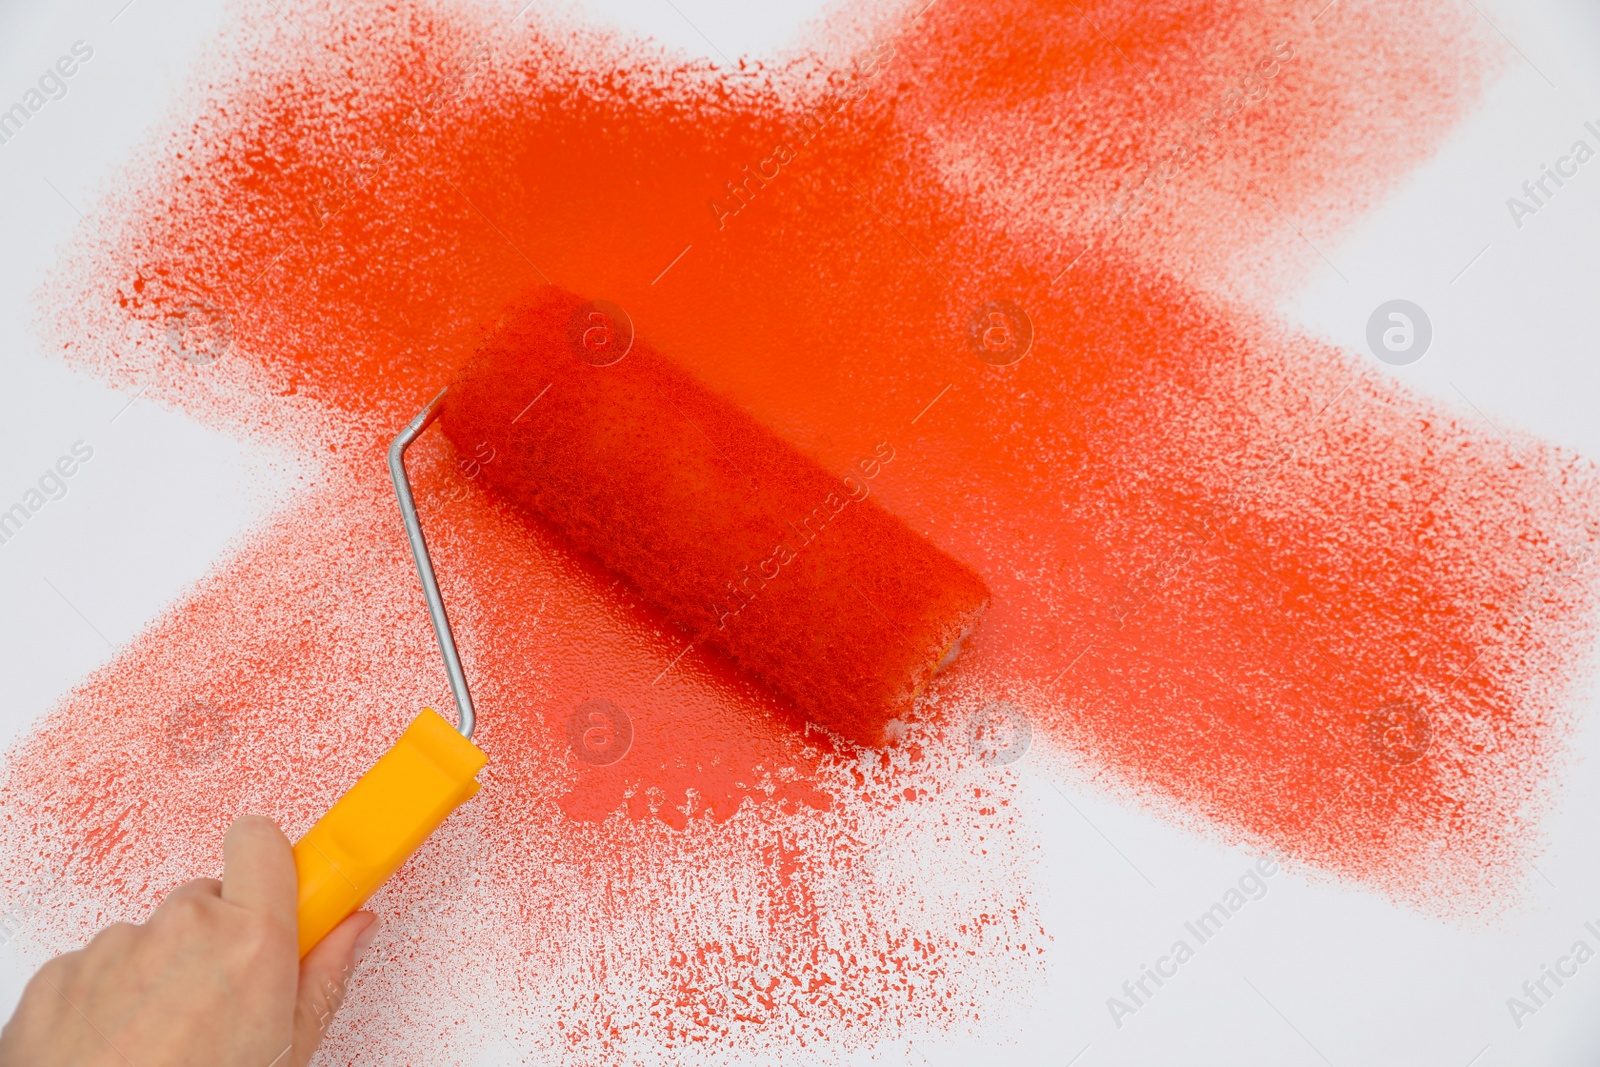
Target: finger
258, 868
114, 941
196, 887
324, 980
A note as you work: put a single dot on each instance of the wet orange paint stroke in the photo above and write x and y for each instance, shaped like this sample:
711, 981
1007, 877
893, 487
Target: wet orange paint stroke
1251, 583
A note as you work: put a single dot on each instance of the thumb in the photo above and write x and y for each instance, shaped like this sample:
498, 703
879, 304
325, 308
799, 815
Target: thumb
324, 978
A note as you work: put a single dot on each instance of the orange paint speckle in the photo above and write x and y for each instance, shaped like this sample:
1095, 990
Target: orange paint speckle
1221, 554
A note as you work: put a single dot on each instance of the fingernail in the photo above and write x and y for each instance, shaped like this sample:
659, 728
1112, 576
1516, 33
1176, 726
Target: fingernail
364, 939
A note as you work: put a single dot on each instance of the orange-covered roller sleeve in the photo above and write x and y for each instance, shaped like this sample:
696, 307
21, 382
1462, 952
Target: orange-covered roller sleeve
727, 529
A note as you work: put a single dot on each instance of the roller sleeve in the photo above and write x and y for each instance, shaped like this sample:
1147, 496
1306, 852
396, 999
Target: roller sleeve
730, 531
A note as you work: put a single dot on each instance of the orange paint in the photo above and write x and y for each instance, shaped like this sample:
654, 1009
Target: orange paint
743, 542
1239, 573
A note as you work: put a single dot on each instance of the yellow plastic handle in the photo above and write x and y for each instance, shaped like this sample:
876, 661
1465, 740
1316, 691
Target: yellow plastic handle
376, 826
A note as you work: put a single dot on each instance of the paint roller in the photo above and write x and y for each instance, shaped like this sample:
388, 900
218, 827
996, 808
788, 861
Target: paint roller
727, 530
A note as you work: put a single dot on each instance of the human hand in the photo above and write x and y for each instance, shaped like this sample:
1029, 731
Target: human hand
211, 978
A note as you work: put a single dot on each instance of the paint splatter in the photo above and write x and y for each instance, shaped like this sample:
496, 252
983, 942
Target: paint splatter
1241, 577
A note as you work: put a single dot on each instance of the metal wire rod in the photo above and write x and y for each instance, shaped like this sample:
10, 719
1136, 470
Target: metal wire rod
465, 720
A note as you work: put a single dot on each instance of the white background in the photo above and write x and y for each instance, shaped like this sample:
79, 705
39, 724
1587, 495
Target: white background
1308, 975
